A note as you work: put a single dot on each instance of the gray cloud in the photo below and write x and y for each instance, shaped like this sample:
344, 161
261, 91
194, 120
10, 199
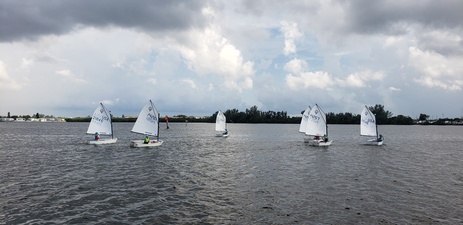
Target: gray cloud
365, 16
30, 19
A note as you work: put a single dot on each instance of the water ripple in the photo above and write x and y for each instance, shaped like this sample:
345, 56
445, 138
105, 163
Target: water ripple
261, 174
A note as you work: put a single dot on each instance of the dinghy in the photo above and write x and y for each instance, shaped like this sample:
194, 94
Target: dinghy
147, 124
101, 124
317, 126
368, 127
221, 125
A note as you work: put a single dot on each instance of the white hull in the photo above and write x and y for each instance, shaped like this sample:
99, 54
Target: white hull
374, 142
222, 135
100, 141
141, 144
320, 143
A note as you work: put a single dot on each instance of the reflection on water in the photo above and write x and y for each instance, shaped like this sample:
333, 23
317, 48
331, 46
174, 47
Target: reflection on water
261, 174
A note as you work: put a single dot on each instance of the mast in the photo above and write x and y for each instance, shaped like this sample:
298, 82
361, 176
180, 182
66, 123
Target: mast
159, 114
376, 122
324, 118
111, 118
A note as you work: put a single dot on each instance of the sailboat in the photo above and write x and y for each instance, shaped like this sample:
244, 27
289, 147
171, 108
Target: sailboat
101, 124
317, 126
148, 124
303, 125
368, 127
221, 125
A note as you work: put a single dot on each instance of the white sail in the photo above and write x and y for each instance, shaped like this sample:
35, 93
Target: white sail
220, 122
148, 121
367, 123
316, 123
305, 118
101, 121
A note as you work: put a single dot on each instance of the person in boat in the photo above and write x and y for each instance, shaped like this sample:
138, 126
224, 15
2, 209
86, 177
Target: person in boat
380, 138
325, 138
97, 136
226, 132
147, 139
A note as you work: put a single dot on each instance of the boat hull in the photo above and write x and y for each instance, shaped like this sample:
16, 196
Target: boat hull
374, 142
222, 135
320, 143
100, 141
141, 143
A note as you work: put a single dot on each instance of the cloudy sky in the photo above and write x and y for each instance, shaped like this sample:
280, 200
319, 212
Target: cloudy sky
194, 57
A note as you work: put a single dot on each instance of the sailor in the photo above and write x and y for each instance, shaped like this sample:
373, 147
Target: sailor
325, 138
97, 136
380, 138
226, 132
147, 139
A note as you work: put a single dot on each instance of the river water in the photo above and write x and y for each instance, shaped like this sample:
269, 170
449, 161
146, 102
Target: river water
260, 174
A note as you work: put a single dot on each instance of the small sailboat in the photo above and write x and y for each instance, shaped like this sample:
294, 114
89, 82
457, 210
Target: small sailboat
221, 125
101, 124
303, 125
368, 127
147, 123
317, 126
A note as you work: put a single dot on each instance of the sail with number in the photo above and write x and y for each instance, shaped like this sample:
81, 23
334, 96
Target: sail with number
101, 121
220, 122
148, 121
316, 123
368, 125
305, 118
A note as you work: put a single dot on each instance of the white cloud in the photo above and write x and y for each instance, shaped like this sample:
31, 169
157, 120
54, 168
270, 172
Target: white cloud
66, 73
251, 52
291, 34
394, 89
208, 53
190, 83
296, 66
6, 82
318, 79
359, 79
437, 70
109, 102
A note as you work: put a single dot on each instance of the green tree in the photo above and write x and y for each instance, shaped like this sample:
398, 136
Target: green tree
423, 117
401, 120
382, 115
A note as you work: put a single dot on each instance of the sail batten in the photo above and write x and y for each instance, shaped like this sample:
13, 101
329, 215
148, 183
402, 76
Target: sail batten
368, 125
101, 121
148, 121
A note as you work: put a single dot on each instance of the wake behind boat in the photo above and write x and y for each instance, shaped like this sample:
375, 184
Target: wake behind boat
101, 124
369, 127
148, 124
317, 126
221, 125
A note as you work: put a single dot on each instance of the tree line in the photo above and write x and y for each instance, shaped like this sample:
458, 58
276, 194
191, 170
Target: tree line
254, 115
